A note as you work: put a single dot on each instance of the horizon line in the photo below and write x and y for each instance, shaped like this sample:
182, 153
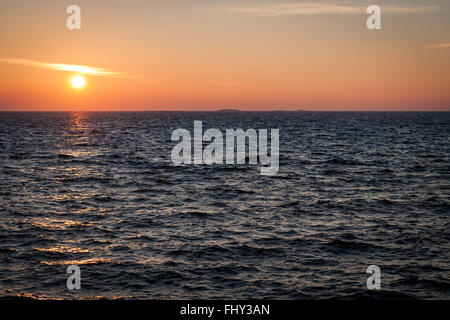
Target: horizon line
226, 111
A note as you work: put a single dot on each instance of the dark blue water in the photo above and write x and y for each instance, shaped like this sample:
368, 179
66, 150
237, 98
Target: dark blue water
99, 190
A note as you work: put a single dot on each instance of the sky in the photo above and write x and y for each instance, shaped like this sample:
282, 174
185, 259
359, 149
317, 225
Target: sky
215, 54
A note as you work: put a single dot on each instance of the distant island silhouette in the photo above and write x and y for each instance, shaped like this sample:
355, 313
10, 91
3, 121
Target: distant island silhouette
274, 110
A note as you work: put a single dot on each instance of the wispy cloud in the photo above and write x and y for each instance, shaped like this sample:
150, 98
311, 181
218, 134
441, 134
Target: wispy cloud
438, 45
314, 8
93, 71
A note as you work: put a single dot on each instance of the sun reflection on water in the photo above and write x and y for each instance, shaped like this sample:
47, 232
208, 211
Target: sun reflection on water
77, 262
54, 224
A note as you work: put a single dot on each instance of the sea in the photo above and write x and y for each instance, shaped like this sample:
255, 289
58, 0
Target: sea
99, 190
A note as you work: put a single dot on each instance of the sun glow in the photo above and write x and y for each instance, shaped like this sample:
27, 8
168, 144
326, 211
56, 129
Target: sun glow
78, 82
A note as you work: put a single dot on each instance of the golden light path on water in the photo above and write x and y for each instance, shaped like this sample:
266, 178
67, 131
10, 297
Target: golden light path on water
76, 138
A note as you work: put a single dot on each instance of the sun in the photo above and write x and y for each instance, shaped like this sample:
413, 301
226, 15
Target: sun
78, 82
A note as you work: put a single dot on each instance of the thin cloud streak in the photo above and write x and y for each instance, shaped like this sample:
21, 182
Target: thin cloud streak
101, 72
287, 9
438, 45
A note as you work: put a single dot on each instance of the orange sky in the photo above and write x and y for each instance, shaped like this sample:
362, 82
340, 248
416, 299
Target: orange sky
207, 55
